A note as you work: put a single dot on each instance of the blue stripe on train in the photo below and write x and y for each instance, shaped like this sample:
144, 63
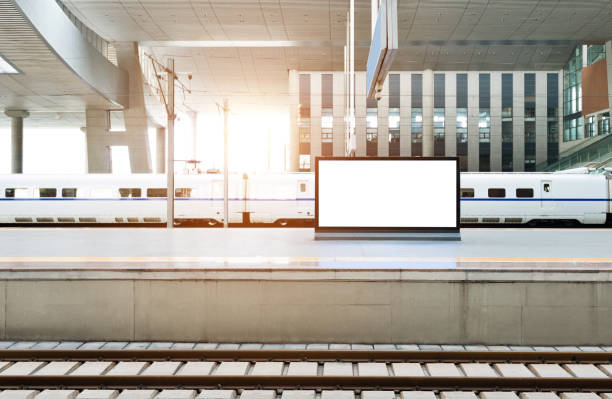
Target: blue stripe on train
296, 199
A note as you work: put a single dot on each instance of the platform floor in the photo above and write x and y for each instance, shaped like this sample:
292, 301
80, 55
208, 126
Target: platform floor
236, 248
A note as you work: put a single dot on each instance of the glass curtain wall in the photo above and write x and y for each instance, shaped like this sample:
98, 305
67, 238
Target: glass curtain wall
439, 107
484, 122
327, 114
572, 97
462, 120
394, 115
530, 124
417, 114
552, 124
507, 122
304, 122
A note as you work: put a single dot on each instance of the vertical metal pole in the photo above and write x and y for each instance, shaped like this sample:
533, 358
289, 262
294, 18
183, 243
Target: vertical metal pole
269, 150
170, 146
225, 165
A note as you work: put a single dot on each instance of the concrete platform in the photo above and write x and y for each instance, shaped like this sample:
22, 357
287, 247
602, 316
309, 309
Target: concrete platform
510, 286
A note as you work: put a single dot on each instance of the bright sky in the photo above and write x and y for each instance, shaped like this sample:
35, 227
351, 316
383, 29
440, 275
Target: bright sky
64, 150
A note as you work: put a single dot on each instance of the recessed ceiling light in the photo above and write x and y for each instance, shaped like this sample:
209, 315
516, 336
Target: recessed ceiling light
6, 67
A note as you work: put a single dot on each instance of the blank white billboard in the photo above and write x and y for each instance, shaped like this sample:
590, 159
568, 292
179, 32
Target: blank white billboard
403, 193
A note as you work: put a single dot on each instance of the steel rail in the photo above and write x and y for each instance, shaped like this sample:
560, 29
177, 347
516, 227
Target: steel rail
309, 355
303, 382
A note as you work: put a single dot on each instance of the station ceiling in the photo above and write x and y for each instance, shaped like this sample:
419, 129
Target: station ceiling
204, 37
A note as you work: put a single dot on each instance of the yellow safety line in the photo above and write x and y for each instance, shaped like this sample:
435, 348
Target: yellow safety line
273, 259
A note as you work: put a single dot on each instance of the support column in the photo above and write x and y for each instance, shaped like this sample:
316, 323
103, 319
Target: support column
428, 93
194, 134
160, 150
17, 138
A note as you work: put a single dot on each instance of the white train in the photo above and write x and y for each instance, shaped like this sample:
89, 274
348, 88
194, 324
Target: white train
507, 198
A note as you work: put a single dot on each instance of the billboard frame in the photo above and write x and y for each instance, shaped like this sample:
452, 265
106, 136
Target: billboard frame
386, 233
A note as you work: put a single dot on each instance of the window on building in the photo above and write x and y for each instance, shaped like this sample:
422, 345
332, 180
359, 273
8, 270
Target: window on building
417, 131
484, 122
462, 138
461, 103
327, 137
530, 97
394, 132
438, 125
595, 52
372, 129
439, 110
603, 123
304, 96
507, 122
416, 104
552, 106
47, 192
530, 125
304, 162
589, 126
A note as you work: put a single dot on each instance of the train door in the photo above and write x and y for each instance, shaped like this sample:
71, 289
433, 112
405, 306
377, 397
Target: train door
546, 195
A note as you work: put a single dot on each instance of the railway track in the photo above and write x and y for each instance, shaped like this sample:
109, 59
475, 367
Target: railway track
307, 370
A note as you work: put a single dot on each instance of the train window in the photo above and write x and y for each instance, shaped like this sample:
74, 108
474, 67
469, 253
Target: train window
497, 192
467, 193
302, 187
102, 193
69, 192
16, 193
547, 187
130, 192
524, 193
47, 192
182, 192
156, 192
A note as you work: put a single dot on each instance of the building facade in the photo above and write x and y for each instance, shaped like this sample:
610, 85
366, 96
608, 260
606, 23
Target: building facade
492, 120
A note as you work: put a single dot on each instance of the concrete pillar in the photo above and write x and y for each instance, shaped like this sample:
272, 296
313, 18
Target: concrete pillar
339, 148
428, 97
160, 150
360, 114
136, 119
293, 163
17, 138
99, 140
315, 117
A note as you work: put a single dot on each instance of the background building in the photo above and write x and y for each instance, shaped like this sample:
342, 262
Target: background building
492, 120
